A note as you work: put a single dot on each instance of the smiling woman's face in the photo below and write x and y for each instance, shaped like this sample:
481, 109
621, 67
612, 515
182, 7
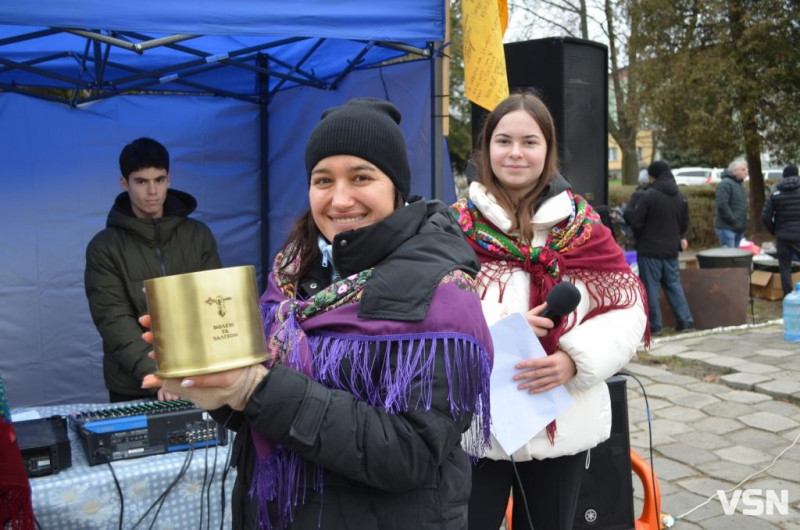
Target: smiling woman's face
347, 192
517, 151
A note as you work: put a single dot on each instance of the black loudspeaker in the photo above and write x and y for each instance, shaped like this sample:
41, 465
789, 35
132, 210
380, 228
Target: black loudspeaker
606, 497
570, 75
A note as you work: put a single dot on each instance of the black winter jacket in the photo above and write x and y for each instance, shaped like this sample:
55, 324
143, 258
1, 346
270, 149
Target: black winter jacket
381, 471
781, 214
731, 209
661, 219
119, 259
627, 212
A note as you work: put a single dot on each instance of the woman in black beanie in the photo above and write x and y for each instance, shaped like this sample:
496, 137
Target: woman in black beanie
379, 353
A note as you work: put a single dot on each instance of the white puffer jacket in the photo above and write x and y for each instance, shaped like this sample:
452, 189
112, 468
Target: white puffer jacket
599, 347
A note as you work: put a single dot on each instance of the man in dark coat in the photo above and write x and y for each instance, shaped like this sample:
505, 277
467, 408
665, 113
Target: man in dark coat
730, 220
644, 184
781, 216
660, 223
148, 234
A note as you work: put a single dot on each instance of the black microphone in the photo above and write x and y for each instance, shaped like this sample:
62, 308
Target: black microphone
561, 300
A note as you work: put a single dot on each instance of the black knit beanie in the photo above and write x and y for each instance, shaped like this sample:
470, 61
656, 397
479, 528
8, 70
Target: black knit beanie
790, 171
367, 128
657, 168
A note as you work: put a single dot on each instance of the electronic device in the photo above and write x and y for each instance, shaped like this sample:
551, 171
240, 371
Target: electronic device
44, 445
144, 429
606, 495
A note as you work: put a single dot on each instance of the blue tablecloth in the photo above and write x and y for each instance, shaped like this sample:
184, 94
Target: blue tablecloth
83, 497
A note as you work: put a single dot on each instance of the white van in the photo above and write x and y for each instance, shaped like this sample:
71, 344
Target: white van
696, 176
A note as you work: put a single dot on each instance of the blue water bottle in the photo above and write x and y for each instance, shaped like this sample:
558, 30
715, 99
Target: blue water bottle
791, 315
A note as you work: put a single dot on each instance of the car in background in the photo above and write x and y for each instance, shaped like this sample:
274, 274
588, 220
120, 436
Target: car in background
771, 177
696, 176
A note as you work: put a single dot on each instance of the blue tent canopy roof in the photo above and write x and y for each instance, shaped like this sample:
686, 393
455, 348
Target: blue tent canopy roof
409, 20
100, 49
242, 161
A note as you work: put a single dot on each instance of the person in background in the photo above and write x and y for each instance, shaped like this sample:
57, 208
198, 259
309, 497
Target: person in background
379, 355
644, 183
781, 216
148, 234
531, 232
660, 224
730, 220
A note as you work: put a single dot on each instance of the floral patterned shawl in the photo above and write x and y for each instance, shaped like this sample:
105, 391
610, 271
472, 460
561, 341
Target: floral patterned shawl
581, 246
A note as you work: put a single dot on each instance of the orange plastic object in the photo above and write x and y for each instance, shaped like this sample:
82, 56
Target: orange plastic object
509, 510
650, 519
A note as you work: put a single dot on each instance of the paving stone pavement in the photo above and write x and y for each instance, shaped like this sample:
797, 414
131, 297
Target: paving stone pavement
712, 433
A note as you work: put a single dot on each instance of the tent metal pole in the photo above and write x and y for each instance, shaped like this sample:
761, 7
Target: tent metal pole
263, 131
39, 60
352, 66
138, 47
24, 66
402, 47
437, 124
29, 36
243, 55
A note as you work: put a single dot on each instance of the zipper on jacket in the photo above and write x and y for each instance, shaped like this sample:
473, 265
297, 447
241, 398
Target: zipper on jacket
159, 254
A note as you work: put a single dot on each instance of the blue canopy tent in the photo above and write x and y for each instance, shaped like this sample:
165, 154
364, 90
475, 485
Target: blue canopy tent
232, 89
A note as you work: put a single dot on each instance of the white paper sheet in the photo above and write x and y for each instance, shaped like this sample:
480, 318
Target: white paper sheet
518, 416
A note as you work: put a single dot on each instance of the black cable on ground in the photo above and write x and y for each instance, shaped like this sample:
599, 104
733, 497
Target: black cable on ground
649, 437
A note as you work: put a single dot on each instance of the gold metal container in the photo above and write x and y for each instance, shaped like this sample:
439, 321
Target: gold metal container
205, 322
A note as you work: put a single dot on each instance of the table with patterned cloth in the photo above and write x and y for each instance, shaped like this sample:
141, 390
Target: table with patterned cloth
84, 497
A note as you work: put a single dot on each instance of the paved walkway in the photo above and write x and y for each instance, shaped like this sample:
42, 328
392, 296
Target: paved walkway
710, 434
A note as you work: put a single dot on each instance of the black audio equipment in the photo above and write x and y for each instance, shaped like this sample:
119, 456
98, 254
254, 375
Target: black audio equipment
44, 445
145, 429
606, 496
570, 75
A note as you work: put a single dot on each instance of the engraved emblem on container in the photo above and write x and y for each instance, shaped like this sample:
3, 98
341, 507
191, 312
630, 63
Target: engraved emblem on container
220, 301
205, 322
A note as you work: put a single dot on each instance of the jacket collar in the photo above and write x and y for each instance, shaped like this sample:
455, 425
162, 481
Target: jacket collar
411, 250
552, 207
177, 207
356, 250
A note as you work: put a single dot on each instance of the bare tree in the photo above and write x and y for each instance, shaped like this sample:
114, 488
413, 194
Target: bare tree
722, 78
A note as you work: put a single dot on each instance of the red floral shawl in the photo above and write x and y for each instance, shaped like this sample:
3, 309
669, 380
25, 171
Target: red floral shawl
580, 247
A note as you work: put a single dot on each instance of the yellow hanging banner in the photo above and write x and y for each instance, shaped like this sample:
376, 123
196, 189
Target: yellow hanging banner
502, 9
485, 80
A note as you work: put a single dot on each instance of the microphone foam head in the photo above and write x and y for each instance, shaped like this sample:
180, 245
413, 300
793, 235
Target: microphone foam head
562, 299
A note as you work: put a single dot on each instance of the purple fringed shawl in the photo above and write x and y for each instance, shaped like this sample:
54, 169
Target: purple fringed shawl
386, 359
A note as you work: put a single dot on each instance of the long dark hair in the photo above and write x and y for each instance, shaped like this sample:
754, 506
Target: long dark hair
520, 210
305, 234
